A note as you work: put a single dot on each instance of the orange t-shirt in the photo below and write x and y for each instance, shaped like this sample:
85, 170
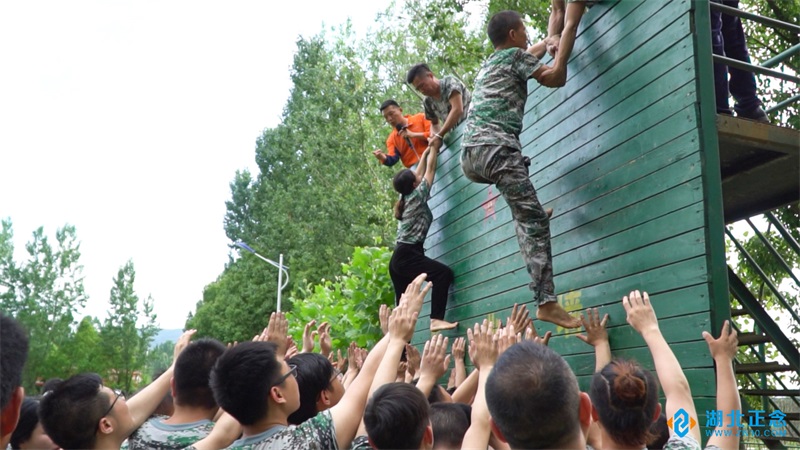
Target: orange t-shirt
397, 144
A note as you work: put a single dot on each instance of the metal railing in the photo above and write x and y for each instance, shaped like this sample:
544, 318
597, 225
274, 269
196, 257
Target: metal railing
766, 67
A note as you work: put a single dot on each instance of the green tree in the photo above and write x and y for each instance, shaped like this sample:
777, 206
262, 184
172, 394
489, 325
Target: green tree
82, 352
127, 331
159, 358
43, 293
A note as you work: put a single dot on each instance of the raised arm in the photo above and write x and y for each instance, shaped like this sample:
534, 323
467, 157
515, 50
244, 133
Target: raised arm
434, 363
723, 350
596, 336
430, 172
380, 366
147, 400
486, 353
673, 381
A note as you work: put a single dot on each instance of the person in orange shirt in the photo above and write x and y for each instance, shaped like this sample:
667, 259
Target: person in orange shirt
408, 140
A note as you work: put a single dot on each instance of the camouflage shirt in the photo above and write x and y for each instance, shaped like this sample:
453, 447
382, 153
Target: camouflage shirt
157, 435
439, 109
682, 443
316, 433
417, 216
498, 101
360, 443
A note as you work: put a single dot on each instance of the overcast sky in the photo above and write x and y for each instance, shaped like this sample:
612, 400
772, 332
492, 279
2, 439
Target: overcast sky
128, 119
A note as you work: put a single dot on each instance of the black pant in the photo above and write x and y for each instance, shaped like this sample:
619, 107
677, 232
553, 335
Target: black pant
408, 261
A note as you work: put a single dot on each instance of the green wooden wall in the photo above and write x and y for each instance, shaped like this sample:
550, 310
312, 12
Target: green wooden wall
621, 156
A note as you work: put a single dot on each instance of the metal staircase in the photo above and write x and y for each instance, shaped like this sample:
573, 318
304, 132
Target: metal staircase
768, 325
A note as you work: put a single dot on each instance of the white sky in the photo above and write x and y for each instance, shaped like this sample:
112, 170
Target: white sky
128, 119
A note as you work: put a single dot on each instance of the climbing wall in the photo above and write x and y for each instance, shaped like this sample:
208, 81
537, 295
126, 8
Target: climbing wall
621, 156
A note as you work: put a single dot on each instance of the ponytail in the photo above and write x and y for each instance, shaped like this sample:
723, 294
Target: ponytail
399, 206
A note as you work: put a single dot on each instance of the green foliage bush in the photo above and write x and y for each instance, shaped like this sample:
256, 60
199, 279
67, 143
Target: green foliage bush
350, 302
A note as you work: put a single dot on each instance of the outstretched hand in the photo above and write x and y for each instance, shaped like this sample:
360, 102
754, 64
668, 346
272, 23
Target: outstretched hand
483, 347
383, 316
416, 291
595, 328
183, 341
325, 345
640, 312
724, 347
520, 317
435, 359
402, 322
309, 333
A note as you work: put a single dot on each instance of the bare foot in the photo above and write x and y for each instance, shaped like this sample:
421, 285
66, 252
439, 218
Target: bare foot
441, 325
553, 312
549, 212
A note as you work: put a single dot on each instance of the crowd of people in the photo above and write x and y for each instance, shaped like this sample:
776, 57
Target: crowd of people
269, 394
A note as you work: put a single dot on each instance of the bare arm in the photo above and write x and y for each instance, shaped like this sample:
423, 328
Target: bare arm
226, 430
465, 392
486, 352
422, 165
723, 350
673, 381
456, 110
434, 363
460, 369
430, 172
556, 22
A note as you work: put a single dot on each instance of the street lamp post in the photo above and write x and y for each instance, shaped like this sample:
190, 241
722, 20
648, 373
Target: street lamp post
279, 265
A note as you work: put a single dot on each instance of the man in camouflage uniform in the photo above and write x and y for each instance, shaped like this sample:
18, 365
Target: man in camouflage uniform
195, 406
446, 101
491, 152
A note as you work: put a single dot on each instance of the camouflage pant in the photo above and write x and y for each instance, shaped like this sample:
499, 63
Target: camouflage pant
504, 167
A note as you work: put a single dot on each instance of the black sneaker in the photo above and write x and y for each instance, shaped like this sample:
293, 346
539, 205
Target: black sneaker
756, 114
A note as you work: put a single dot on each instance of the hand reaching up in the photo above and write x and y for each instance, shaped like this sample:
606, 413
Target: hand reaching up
725, 347
309, 333
325, 346
383, 316
459, 348
640, 312
414, 359
415, 293
435, 359
183, 341
483, 345
595, 328
402, 322
520, 317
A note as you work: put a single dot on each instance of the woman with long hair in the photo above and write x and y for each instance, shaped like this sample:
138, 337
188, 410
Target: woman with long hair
408, 259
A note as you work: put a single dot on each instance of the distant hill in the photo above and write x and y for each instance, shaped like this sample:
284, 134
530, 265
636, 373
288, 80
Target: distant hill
166, 335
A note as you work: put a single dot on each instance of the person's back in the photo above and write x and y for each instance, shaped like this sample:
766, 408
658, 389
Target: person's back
194, 404
156, 434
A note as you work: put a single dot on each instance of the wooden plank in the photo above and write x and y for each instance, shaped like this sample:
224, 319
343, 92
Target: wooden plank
629, 73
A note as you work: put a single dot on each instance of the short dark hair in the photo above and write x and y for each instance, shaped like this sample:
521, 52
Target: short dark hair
500, 24
450, 422
28, 419
625, 396
388, 103
71, 411
660, 432
13, 354
314, 374
242, 378
396, 416
417, 70
192, 372
533, 397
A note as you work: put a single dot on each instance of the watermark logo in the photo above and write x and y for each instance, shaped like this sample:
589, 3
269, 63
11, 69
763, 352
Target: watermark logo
681, 423
758, 423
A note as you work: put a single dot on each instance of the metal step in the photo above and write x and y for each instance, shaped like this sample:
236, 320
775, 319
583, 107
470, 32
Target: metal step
752, 339
736, 312
767, 367
772, 392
